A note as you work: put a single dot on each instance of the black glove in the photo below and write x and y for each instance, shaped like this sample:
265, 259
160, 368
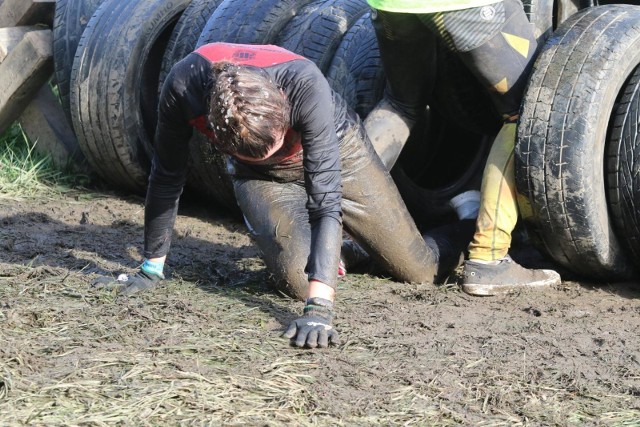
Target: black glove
127, 284
314, 328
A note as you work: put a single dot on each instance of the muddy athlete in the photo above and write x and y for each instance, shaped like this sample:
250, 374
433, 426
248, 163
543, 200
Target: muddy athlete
496, 42
302, 167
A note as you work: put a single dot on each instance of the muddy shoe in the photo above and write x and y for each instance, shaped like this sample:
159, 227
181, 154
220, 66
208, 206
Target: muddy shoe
507, 276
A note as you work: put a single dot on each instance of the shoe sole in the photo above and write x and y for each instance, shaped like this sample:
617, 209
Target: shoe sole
486, 290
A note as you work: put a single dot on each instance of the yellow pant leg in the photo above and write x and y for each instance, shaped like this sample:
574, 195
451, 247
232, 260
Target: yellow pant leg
498, 205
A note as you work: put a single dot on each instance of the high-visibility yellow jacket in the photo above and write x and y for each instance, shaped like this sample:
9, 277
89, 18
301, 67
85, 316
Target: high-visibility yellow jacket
426, 6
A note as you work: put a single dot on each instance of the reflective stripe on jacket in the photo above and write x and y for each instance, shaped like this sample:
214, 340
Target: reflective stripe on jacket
426, 6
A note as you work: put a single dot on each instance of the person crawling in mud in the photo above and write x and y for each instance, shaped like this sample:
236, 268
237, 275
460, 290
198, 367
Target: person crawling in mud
302, 167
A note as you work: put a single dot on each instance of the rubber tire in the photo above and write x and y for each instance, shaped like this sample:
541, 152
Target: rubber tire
186, 33
424, 176
541, 15
206, 174
439, 161
356, 71
70, 19
114, 86
317, 30
250, 22
564, 9
459, 96
559, 155
312, 33
623, 171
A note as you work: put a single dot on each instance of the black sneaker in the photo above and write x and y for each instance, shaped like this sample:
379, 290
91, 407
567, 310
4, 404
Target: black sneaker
507, 276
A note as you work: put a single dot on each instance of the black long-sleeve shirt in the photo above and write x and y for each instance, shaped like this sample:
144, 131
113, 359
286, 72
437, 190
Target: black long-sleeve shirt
312, 153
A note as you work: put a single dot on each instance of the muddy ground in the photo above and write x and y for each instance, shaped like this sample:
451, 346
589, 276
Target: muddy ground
204, 348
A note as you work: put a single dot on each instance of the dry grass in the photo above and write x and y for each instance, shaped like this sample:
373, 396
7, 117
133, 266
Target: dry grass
24, 173
208, 355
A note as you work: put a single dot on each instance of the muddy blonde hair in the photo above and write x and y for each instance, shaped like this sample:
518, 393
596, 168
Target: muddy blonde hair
247, 110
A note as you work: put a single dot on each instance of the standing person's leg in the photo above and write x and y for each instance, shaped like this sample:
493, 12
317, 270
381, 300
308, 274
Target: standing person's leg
279, 223
497, 43
407, 51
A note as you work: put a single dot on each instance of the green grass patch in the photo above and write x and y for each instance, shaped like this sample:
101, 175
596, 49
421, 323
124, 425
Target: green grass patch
26, 173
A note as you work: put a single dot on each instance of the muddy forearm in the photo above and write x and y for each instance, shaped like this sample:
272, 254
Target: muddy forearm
326, 241
161, 209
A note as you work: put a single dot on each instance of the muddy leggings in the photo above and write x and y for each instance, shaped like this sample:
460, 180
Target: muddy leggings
373, 214
497, 44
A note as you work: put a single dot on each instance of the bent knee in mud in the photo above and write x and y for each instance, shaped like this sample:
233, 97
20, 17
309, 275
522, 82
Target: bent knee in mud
290, 279
296, 288
414, 275
420, 278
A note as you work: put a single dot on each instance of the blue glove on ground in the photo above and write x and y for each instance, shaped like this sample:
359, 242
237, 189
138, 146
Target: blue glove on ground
149, 275
127, 284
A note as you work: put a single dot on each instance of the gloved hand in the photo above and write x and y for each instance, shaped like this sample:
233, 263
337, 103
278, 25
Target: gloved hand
314, 328
127, 284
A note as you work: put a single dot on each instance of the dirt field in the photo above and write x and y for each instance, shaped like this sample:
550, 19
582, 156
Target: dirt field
204, 348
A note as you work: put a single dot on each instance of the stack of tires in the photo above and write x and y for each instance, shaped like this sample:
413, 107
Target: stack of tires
111, 57
577, 144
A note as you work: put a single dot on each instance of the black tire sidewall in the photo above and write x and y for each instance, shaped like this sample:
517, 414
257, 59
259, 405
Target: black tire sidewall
108, 86
561, 141
623, 180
